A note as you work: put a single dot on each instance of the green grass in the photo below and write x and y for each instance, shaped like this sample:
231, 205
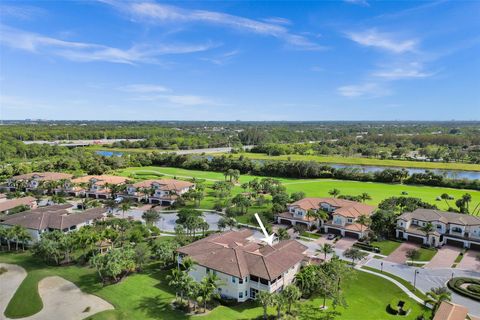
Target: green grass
148, 296
386, 246
426, 254
310, 235
364, 161
318, 187
406, 283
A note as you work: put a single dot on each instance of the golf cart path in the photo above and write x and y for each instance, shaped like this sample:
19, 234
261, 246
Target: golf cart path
9, 282
61, 298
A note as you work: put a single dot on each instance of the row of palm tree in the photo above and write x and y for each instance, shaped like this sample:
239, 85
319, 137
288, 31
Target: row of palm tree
279, 300
16, 234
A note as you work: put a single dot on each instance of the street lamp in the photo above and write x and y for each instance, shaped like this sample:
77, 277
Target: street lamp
381, 266
415, 280
452, 275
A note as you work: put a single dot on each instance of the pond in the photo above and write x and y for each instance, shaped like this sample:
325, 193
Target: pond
109, 153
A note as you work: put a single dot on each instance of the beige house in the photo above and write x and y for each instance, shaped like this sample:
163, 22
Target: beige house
96, 186
342, 215
32, 181
243, 265
162, 191
7, 205
57, 217
461, 230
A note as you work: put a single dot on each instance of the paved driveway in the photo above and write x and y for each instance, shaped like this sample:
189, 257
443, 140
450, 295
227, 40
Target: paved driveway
444, 258
345, 243
469, 261
399, 255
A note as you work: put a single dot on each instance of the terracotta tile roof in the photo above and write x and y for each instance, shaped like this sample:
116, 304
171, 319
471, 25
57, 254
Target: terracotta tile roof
43, 176
233, 253
431, 215
10, 204
343, 207
451, 311
54, 217
101, 180
165, 184
290, 216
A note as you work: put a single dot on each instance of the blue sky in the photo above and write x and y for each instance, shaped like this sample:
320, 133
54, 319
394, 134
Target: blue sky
330, 60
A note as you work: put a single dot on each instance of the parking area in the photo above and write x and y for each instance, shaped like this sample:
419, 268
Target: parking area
470, 261
345, 243
444, 258
400, 254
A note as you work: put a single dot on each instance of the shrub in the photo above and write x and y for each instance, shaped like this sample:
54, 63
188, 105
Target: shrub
399, 307
455, 285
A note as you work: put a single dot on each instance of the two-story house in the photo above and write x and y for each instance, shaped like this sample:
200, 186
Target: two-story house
162, 191
342, 215
57, 217
6, 205
32, 181
462, 230
97, 186
244, 266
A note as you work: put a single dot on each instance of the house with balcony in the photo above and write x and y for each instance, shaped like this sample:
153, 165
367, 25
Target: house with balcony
342, 215
33, 181
162, 191
243, 265
97, 187
57, 217
456, 229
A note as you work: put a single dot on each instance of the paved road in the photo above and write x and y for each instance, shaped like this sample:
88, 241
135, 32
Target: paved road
430, 278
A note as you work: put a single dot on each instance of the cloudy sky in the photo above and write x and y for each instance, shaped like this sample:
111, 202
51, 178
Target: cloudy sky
314, 60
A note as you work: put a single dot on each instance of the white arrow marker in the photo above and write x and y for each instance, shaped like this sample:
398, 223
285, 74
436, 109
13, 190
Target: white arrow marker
268, 238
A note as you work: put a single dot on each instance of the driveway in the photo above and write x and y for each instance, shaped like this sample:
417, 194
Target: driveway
345, 243
400, 254
444, 258
469, 261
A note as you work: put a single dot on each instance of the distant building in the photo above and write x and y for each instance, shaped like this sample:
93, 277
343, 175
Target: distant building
243, 265
451, 311
161, 191
34, 180
95, 186
7, 205
50, 218
461, 230
343, 215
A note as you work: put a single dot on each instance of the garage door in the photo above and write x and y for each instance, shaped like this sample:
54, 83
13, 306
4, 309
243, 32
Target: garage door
284, 221
334, 231
475, 246
415, 239
455, 243
352, 235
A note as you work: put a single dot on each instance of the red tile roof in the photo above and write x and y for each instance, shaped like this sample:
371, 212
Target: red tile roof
10, 204
346, 208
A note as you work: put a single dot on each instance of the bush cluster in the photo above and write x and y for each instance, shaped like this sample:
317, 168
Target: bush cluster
455, 285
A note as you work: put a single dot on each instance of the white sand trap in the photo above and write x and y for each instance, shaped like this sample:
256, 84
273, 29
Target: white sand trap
64, 300
9, 282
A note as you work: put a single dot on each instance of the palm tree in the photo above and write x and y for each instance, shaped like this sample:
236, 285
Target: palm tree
326, 248
175, 280
436, 296
111, 204
265, 298
365, 196
16, 230
428, 228
278, 301
445, 197
467, 198
291, 293
3, 234
364, 221
208, 289
354, 254
334, 192
23, 236
151, 216
124, 207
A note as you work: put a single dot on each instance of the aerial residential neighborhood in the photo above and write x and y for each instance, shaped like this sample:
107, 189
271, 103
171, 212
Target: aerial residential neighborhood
240, 160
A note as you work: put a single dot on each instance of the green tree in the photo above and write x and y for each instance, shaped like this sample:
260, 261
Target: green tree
151, 216
208, 289
265, 299
436, 296
354, 254
292, 294
334, 192
365, 196
142, 254
412, 254
282, 234
125, 207
326, 248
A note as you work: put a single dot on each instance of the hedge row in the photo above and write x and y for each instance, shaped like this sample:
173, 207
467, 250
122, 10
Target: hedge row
366, 246
455, 284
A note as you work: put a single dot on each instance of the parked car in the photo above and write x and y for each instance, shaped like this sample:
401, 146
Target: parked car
331, 236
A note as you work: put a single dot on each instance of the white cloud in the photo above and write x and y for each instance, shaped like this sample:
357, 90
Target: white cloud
358, 2
144, 88
277, 20
369, 89
85, 52
162, 13
409, 71
223, 58
385, 41
22, 12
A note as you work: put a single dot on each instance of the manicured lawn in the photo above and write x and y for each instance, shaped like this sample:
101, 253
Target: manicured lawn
148, 296
320, 187
386, 246
310, 235
406, 283
426, 254
364, 161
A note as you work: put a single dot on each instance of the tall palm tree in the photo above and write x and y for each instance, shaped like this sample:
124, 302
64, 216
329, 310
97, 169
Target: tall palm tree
124, 207
265, 298
467, 198
326, 248
445, 197
3, 234
364, 221
436, 296
23, 236
208, 289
